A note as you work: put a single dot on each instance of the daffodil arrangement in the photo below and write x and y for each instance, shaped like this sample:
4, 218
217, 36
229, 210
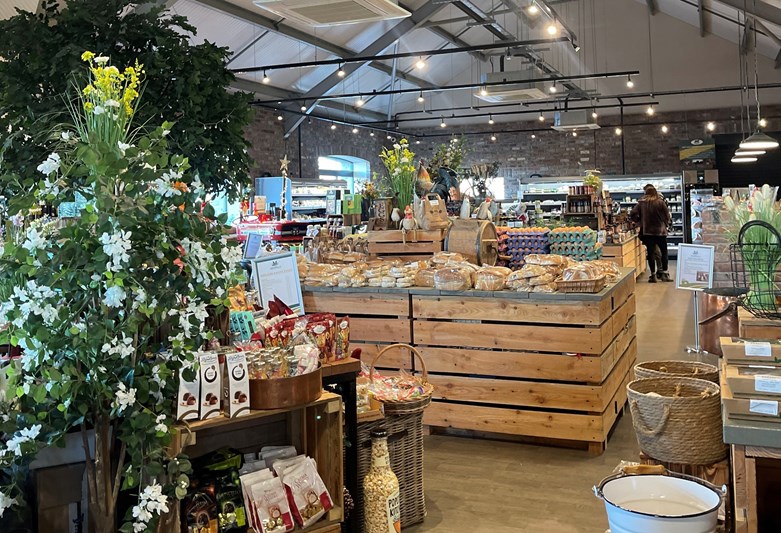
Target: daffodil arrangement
110, 307
400, 164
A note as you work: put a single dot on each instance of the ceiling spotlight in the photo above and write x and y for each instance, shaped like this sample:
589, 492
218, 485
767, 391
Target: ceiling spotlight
629, 82
552, 29
534, 136
665, 129
762, 123
360, 101
417, 141
574, 133
493, 137
303, 108
371, 134
650, 111
355, 130
420, 65
483, 91
552, 89
594, 113
280, 117
420, 97
576, 47
743, 159
333, 126
711, 126
508, 55
532, 9
542, 117
490, 119
341, 73
618, 131
740, 153
759, 141
266, 79
442, 124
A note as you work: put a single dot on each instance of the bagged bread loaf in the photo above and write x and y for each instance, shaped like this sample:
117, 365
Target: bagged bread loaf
545, 259
608, 268
548, 287
441, 258
581, 272
491, 278
425, 277
545, 279
531, 271
452, 279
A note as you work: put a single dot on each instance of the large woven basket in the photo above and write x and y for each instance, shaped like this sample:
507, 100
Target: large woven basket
405, 407
680, 422
682, 369
405, 445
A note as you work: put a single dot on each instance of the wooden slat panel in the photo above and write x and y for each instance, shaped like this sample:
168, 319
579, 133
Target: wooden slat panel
402, 248
358, 303
387, 330
513, 364
617, 378
622, 315
395, 236
615, 406
622, 292
515, 421
396, 358
512, 337
506, 310
625, 337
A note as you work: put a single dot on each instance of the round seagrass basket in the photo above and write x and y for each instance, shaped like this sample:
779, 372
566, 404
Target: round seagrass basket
678, 420
414, 405
677, 369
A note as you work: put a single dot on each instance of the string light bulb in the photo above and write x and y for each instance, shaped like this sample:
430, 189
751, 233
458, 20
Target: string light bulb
371, 134
594, 113
360, 102
650, 111
762, 123
420, 65
280, 117
574, 133
333, 126
493, 137
552, 29
629, 82
532, 9
420, 97
618, 131
665, 129
483, 91
442, 124
490, 119
303, 108
355, 130
341, 73
541, 117
710, 126
266, 79
552, 89
534, 136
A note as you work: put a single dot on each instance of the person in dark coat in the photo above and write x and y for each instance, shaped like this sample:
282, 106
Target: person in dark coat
653, 217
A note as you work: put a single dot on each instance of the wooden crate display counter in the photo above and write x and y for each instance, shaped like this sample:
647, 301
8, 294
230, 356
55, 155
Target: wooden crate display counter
549, 366
314, 429
417, 244
630, 253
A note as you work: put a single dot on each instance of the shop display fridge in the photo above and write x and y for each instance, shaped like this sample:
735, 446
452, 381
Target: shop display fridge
700, 186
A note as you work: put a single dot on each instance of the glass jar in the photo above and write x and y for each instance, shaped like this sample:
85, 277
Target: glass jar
382, 504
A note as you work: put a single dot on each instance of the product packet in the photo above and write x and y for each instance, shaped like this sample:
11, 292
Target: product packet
247, 480
187, 397
236, 389
211, 388
306, 492
273, 510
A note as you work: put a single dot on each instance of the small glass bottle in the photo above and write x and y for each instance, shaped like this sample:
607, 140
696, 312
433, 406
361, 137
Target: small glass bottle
381, 503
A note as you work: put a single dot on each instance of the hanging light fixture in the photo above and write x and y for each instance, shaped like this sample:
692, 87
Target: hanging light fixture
483, 91
748, 153
650, 111
341, 73
618, 131
629, 82
594, 113
574, 133
532, 9
552, 29
534, 136
552, 89
371, 134
303, 108
280, 117
420, 97
493, 137
360, 102
665, 129
759, 141
743, 159
442, 124
490, 119
762, 123
421, 64
333, 126
710, 126
266, 79
417, 141
542, 117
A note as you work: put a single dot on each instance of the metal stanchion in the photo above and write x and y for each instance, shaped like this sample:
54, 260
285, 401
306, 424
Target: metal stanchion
696, 348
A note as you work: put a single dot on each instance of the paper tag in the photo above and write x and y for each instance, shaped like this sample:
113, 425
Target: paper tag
758, 349
764, 407
766, 383
433, 202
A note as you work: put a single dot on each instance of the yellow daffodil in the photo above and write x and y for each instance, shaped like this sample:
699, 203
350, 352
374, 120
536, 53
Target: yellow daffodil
87, 56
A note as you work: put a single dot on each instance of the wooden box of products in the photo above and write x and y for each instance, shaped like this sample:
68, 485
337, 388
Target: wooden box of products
754, 380
417, 244
752, 327
755, 407
751, 351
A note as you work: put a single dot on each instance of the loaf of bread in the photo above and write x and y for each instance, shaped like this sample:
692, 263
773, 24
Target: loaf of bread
452, 279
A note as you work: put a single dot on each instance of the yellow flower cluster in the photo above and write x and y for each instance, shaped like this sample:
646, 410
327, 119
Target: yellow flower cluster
111, 88
399, 159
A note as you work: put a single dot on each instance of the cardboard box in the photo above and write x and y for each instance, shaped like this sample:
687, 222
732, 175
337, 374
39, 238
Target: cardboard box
754, 380
351, 204
211, 385
757, 408
236, 386
760, 351
187, 398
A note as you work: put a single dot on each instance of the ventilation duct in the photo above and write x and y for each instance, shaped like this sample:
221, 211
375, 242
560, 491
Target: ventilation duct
574, 120
329, 12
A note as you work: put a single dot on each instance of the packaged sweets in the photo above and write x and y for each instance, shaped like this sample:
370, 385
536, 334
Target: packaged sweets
306, 493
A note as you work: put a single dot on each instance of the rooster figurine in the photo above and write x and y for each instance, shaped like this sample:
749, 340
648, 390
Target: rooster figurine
408, 224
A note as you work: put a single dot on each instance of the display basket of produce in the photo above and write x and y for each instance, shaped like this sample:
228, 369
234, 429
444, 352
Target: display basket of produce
588, 286
404, 394
756, 258
682, 369
667, 412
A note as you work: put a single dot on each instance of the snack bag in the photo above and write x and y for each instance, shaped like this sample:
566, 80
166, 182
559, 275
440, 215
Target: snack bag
271, 505
343, 338
309, 499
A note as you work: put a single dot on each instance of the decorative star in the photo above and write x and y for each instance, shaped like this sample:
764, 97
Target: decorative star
284, 163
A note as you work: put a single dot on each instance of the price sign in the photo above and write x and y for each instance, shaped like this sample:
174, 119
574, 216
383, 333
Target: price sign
695, 267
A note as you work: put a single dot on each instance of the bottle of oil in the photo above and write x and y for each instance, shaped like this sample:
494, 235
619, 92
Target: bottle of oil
381, 503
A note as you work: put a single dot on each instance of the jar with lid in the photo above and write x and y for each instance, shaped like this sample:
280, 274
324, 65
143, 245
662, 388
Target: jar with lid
382, 504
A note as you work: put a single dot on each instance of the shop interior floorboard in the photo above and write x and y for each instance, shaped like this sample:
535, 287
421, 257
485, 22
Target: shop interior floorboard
484, 486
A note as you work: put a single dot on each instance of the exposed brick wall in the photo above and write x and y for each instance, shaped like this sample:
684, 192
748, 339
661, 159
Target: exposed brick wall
714, 232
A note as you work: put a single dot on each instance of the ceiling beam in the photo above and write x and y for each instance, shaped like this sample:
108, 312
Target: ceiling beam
306, 38
701, 16
419, 16
757, 8
652, 9
773, 37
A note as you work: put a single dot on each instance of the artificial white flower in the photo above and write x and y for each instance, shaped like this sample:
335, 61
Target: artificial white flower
5, 503
219, 292
101, 60
14, 444
123, 146
34, 241
153, 497
51, 165
124, 397
160, 426
138, 527
114, 296
65, 136
397, 146
116, 246
111, 103
99, 110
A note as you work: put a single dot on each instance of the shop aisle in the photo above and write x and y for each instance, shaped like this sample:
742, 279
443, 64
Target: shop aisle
485, 486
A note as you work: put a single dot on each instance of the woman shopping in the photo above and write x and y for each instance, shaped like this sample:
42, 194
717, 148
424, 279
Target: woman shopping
653, 217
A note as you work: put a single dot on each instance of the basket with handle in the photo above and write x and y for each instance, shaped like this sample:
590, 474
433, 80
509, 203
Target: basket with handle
412, 405
677, 419
756, 258
676, 369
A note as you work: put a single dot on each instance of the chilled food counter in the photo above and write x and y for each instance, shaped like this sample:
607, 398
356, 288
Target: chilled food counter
543, 365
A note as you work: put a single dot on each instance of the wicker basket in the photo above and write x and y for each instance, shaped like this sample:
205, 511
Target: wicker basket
682, 369
405, 444
681, 422
582, 286
405, 407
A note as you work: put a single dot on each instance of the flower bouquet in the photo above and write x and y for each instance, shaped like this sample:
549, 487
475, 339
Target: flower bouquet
400, 164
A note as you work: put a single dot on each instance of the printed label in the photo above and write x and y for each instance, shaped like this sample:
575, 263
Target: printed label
433, 202
394, 513
758, 349
766, 383
764, 407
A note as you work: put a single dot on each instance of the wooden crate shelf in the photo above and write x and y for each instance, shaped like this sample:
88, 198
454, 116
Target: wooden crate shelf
418, 243
550, 366
630, 253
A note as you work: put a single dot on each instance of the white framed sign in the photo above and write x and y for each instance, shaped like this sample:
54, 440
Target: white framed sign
252, 245
695, 267
277, 275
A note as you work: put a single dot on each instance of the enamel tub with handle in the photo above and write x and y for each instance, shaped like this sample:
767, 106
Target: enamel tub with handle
650, 499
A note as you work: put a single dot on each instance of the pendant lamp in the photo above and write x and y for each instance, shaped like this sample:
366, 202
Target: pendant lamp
740, 152
759, 141
743, 159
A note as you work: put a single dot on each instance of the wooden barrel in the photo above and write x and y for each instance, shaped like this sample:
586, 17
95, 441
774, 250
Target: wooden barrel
475, 240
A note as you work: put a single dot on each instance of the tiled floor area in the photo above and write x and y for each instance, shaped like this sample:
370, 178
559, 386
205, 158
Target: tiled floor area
485, 486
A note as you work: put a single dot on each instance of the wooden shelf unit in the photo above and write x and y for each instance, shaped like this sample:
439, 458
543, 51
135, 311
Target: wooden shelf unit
630, 253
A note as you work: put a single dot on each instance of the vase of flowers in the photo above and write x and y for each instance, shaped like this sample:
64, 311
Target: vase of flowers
400, 164
449, 155
85, 300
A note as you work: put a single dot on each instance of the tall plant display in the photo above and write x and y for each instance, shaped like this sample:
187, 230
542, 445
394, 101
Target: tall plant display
400, 164
187, 83
88, 299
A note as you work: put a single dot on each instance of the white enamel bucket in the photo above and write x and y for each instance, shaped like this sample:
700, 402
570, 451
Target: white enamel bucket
659, 502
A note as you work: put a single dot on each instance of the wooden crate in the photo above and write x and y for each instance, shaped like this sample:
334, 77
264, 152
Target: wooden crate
418, 243
751, 327
314, 429
630, 253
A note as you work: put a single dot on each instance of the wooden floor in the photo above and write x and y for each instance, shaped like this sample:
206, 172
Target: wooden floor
487, 486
